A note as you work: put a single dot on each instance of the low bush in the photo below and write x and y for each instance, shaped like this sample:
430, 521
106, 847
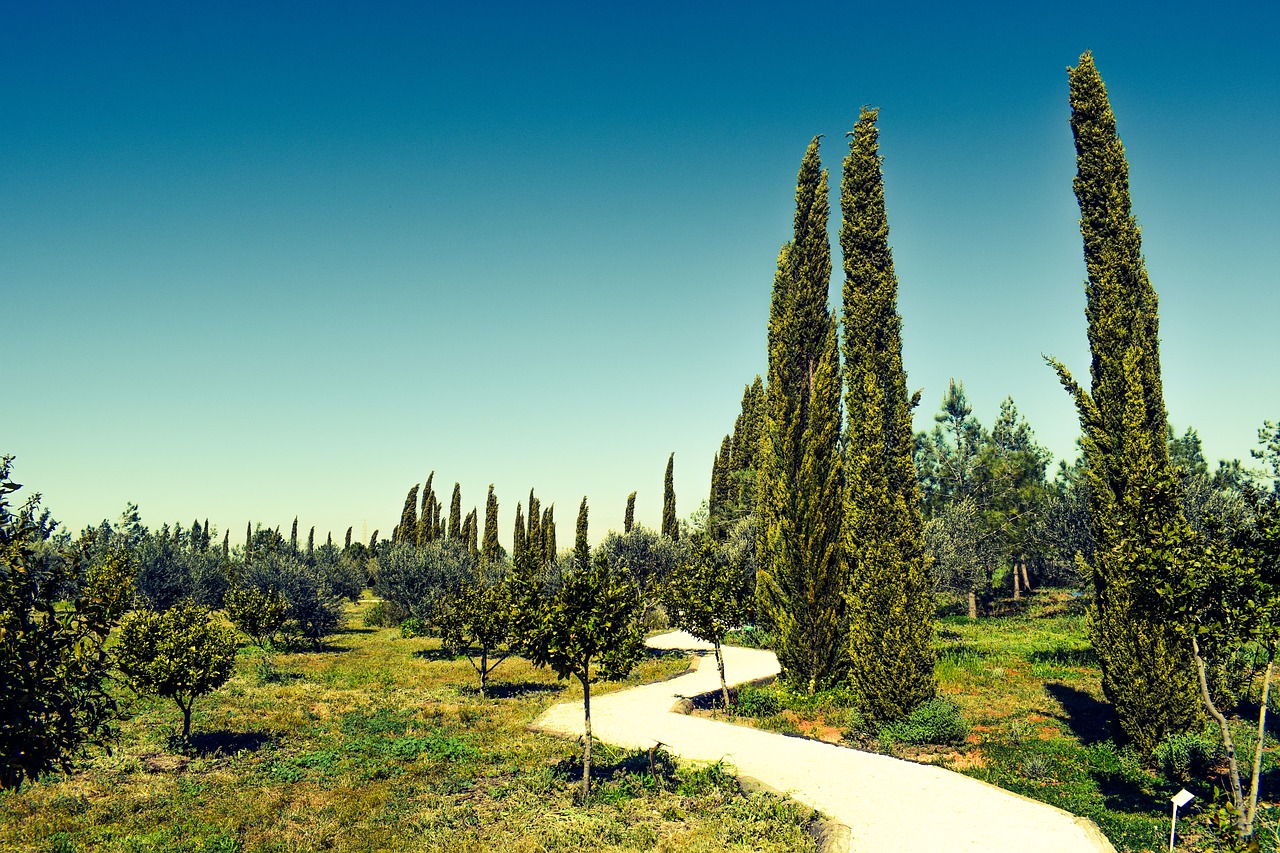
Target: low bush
385, 614
756, 701
937, 721
1183, 757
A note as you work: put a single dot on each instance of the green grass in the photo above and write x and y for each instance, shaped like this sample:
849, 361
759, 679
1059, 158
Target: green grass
378, 743
1029, 687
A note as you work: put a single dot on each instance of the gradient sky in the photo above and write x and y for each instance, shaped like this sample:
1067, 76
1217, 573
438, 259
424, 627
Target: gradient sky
266, 260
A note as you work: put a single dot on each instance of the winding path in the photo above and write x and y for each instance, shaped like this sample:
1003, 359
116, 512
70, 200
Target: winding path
887, 804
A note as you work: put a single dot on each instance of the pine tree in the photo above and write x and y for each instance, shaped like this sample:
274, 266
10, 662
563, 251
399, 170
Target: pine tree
406, 531
800, 581
581, 550
744, 452
1134, 500
455, 513
629, 519
670, 528
490, 547
889, 596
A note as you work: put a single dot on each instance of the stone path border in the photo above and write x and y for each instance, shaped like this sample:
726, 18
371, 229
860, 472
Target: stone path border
873, 802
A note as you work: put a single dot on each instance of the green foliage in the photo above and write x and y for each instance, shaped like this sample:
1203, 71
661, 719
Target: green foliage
1134, 504
889, 596
413, 627
53, 699
314, 610
800, 579
670, 528
753, 701
581, 550
629, 517
643, 556
416, 579
935, 721
490, 551
259, 614
384, 614
406, 530
181, 654
475, 620
1185, 756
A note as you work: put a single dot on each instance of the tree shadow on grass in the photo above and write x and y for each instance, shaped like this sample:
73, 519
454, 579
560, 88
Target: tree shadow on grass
226, 743
435, 654
1090, 721
514, 689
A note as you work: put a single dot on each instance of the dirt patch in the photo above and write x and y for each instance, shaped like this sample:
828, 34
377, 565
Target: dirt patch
163, 762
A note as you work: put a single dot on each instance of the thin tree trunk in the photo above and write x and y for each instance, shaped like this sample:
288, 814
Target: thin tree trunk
186, 720
484, 673
973, 604
1026, 578
1237, 797
1017, 583
586, 750
724, 688
1257, 750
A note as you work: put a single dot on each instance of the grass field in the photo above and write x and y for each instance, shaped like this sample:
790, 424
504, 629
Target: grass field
378, 743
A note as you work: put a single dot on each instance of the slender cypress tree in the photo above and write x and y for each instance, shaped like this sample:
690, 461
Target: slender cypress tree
517, 541
1134, 500
248, 538
800, 582
407, 530
204, 543
718, 501
670, 528
549, 534
470, 533
533, 535
197, 536
328, 541
425, 530
293, 537
226, 545
581, 550
311, 542
455, 513
889, 596
347, 544
373, 543
629, 519
490, 547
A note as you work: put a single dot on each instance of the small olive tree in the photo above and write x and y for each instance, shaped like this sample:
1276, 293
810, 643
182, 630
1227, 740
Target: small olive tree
182, 653
588, 630
475, 620
709, 595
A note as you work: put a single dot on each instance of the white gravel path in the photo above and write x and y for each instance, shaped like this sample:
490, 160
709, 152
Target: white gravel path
888, 804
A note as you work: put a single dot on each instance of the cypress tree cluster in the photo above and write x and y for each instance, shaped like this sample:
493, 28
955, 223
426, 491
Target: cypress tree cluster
800, 581
670, 528
889, 598
1134, 500
733, 478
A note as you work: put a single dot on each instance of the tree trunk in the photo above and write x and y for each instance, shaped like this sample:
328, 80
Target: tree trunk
484, 673
1026, 578
1017, 583
1257, 750
186, 719
586, 749
973, 604
724, 688
1237, 796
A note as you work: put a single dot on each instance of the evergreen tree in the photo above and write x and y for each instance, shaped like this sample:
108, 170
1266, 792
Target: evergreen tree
890, 599
718, 500
1134, 504
455, 513
517, 541
248, 538
490, 547
226, 545
581, 550
425, 530
629, 519
311, 543
197, 536
204, 541
533, 536
347, 545
470, 533
549, 534
744, 453
373, 543
800, 582
405, 532
670, 528
293, 537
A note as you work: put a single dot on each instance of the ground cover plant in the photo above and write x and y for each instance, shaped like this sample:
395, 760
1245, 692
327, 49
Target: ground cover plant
380, 743
1027, 689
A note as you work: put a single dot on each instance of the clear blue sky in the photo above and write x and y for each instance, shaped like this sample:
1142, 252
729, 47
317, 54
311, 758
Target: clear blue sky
266, 260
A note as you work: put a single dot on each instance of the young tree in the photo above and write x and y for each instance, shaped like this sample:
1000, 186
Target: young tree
53, 666
1145, 655
801, 583
588, 631
669, 526
475, 620
890, 599
180, 654
259, 614
708, 595
629, 518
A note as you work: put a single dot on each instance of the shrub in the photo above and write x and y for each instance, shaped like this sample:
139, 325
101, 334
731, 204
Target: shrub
384, 614
412, 627
1182, 757
314, 611
936, 721
181, 653
756, 701
259, 614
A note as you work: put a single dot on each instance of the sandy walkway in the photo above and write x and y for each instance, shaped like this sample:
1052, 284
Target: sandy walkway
887, 804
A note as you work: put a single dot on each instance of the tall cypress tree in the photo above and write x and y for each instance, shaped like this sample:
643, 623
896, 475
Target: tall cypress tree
293, 536
629, 519
670, 528
517, 540
455, 513
470, 532
581, 550
226, 545
890, 598
800, 582
533, 536
549, 534
718, 510
425, 530
373, 543
407, 529
248, 538
1133, 492
346, 546
489, 548
311, 542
